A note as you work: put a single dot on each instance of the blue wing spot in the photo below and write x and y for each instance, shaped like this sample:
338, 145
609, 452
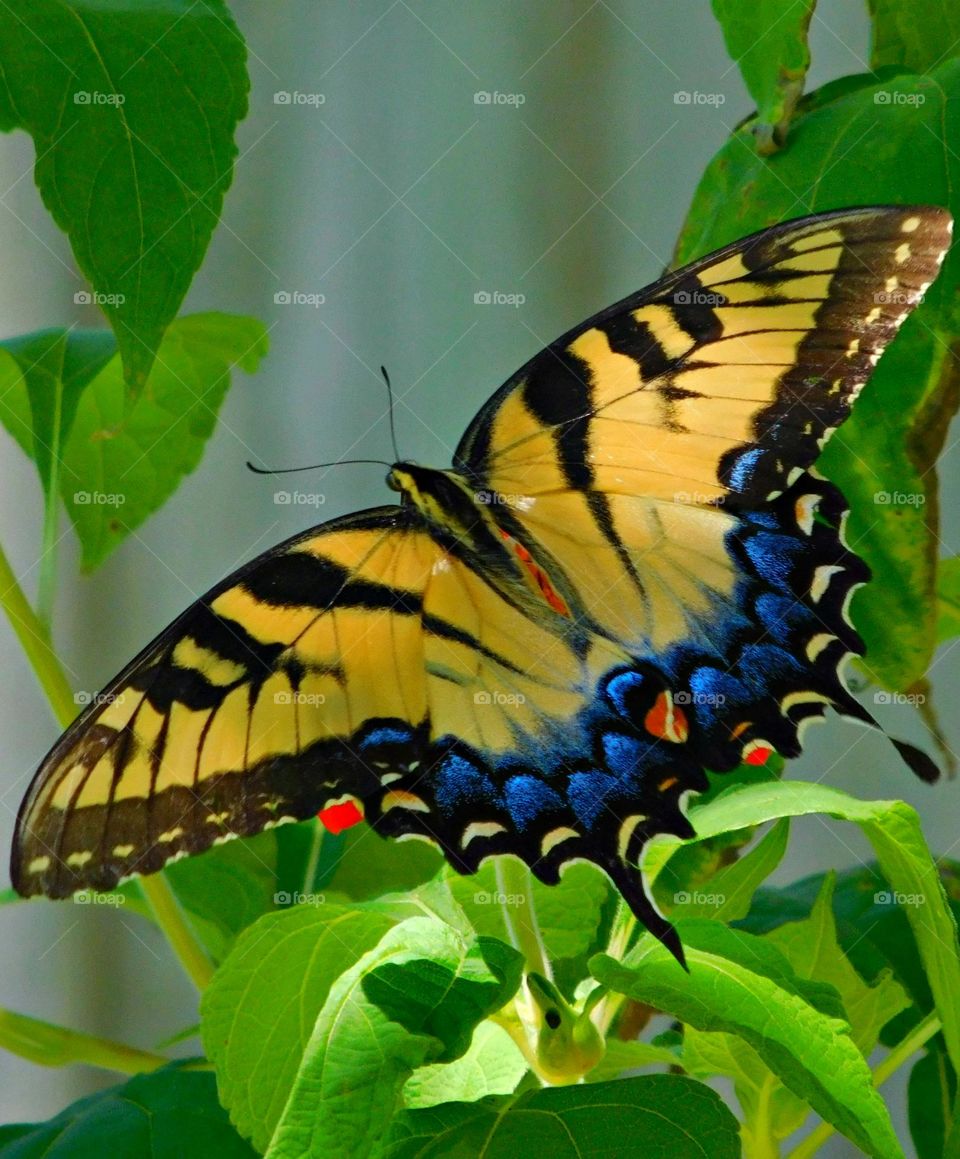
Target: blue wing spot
623, 755
774, 556
742, 470
765, 665
588, 794
780, 614
717, 694
459, 782
526, 797
386, 735
625, 693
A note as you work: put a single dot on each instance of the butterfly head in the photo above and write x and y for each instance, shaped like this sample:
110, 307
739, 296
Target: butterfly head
443, 498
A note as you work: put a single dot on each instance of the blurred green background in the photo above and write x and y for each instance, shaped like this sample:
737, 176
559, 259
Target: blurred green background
429, 155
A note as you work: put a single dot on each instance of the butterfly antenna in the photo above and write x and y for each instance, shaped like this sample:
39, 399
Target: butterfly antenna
315, 466
390, 410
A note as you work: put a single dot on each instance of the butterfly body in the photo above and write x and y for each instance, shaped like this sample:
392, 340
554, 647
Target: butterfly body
631, 575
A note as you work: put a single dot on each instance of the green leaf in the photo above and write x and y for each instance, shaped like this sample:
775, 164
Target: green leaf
726, 894
567, 915
948, 599
672, 1115
730, 988
859, 142
621, 1056
894, 831
358, 1057
811, 946
259, 1011
142, 452
137, 193
931, 1093
915, 35
370, 865
121, 463
492, 1066
769, 1108
223, 890
171, 1112
769, 42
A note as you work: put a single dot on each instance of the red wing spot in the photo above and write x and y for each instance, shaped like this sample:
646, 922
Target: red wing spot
538, 575
336, 818
758, 756
666, 720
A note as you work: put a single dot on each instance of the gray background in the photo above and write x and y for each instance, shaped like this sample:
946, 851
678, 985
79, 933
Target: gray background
398, 199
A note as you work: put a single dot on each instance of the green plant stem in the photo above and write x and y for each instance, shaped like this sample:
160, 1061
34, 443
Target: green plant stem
170, 918
36, 644
514, 880
904, 1050
47, 582
621, 931
313, 859
49, 1045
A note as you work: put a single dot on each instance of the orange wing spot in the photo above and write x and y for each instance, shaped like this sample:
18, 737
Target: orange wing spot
667, 783
336, 818
740, 729
538, 575
666, 721
758, 756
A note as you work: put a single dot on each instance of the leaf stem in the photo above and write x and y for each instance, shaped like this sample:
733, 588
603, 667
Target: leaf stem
47, 583
49, 1045
621, 931
514, 881
36, 644
904, 1050
35, 640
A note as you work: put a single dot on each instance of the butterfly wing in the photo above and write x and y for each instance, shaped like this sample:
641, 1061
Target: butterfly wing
359, 661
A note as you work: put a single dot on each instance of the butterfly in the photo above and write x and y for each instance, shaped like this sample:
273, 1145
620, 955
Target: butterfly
632, 574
